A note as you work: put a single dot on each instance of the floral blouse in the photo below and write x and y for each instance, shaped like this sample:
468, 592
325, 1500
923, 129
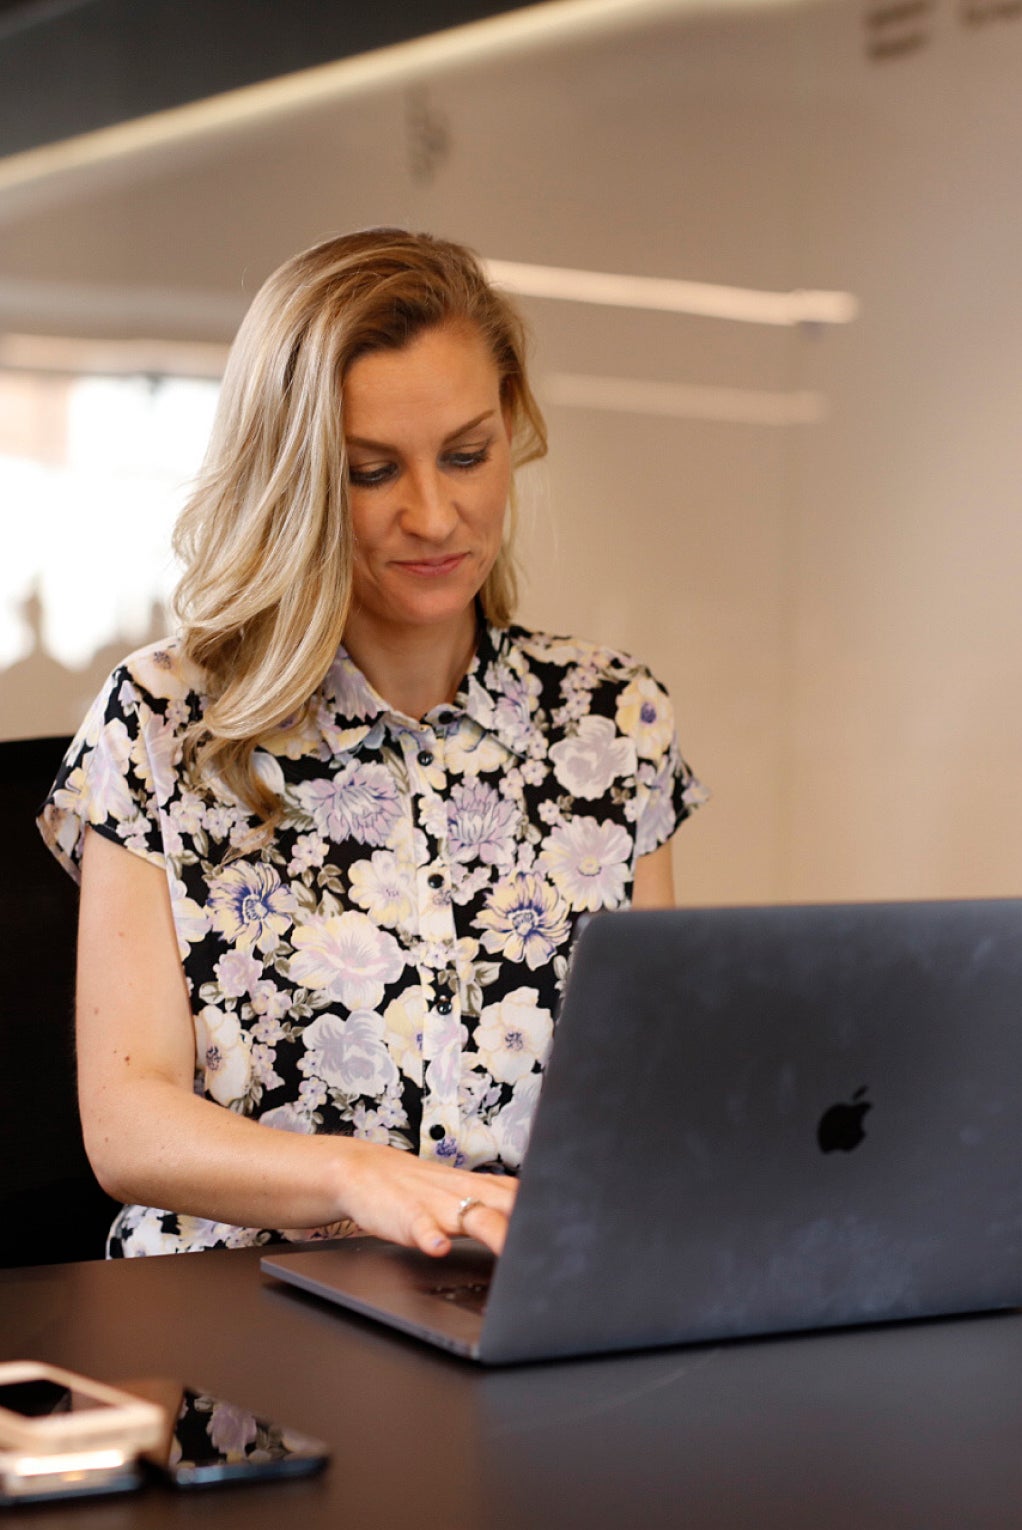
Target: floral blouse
390, 964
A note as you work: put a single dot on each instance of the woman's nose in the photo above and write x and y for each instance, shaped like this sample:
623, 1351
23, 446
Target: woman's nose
429, 510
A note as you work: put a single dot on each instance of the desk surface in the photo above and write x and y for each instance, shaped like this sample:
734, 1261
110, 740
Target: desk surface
910, 1426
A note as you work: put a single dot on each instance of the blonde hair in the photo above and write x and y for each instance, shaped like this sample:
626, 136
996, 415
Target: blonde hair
266, 535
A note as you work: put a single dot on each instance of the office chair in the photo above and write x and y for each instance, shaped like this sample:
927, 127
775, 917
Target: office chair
51, 1207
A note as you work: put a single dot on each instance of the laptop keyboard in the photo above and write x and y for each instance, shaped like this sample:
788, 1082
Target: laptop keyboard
470, 1294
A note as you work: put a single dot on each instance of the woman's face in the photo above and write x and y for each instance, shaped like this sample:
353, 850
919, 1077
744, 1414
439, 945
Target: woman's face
429, 469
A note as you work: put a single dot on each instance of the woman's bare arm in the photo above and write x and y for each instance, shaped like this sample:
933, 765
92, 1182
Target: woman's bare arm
654, 880
152, 1140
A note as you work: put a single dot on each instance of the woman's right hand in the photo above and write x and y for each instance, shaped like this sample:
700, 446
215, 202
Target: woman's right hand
416, 1202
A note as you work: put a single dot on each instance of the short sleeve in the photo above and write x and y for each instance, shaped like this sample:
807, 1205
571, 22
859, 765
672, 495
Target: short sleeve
108, 780
668, 792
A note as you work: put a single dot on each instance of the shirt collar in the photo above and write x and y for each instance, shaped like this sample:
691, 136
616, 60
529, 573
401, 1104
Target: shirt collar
496, 695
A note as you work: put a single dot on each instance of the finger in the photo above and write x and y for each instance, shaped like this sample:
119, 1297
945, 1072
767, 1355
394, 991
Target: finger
497, 1190
426, 1234
487, 1224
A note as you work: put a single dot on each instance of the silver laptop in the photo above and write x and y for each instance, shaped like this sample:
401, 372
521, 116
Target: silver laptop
753, 1121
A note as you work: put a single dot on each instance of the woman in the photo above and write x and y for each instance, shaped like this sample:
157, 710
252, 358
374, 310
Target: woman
334, 839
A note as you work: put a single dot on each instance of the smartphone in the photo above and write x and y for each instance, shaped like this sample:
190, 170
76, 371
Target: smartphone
46, 1411
27, 1478
208, 1440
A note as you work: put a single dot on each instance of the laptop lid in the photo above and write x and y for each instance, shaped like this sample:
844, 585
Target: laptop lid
758, 1120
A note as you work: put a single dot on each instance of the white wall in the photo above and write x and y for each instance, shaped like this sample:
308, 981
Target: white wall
833, 604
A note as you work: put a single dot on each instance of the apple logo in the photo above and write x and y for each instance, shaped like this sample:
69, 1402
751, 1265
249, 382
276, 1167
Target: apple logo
841, 1127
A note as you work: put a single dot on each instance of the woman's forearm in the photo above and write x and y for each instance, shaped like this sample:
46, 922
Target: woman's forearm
151, 1142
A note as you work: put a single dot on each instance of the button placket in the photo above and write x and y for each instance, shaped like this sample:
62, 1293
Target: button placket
441, 1032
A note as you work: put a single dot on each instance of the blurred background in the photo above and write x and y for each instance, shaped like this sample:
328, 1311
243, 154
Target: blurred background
770, 255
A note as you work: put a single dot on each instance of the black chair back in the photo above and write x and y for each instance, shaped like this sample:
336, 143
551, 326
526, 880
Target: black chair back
51, 1207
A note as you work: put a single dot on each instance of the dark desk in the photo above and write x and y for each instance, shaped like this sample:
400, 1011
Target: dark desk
914, 1426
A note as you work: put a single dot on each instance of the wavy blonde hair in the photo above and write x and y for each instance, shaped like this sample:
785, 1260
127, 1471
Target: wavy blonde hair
266, 535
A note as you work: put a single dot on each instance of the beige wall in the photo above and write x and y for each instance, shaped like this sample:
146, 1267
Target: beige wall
833, 604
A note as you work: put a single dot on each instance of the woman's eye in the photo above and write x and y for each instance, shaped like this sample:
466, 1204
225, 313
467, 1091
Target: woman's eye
370, 477
469, 459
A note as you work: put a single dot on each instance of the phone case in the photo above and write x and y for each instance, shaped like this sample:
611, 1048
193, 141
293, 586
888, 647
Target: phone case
106, 1417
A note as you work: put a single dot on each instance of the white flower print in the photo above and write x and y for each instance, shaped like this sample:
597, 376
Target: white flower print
481, 824
155, 756
108, 793
185, 813
477, 1093
369, 1125
350, 1055
525, 919
346, 688
270, 1001
466, 884
644, 713
512, 1125
443, 1040
384, 888
471, 751
263, 1070
404, 1020
231, 1429
288, 1118
268, 771
514, 1036
519, 694
347, 957
265, 1030
190, 921
655, 823
361, 803
309, 852
476, 1143
237, 972
223, 1053
432, 813
588, 762
219, 821
312, 1094
588, 862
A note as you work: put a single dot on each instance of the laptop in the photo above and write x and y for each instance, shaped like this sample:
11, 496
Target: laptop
753, 1121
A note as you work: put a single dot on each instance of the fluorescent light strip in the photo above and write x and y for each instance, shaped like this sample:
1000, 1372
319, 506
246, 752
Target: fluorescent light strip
546, 24
683, 401
667, 295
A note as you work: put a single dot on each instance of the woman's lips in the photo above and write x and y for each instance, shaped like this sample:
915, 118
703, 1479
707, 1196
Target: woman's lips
432, 568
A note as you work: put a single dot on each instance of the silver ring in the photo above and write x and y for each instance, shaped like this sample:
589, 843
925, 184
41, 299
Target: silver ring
464, 1207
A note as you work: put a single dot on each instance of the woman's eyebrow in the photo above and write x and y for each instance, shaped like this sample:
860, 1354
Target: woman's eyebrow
462, 430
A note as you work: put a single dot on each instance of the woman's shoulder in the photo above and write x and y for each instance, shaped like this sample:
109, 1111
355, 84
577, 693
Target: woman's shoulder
158, 673
569, 653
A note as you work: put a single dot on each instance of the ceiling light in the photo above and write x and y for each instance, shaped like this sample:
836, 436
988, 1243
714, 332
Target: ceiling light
544, 24
668, 295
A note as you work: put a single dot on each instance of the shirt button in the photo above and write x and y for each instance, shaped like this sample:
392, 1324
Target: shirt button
425, 757
443, 1005
437, 1132
435, 880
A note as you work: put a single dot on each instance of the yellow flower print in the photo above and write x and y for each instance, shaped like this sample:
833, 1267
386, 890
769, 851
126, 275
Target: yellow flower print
645, 714
525, 919
250, 907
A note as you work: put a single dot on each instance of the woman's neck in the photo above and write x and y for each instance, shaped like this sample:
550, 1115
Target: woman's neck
413, 668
